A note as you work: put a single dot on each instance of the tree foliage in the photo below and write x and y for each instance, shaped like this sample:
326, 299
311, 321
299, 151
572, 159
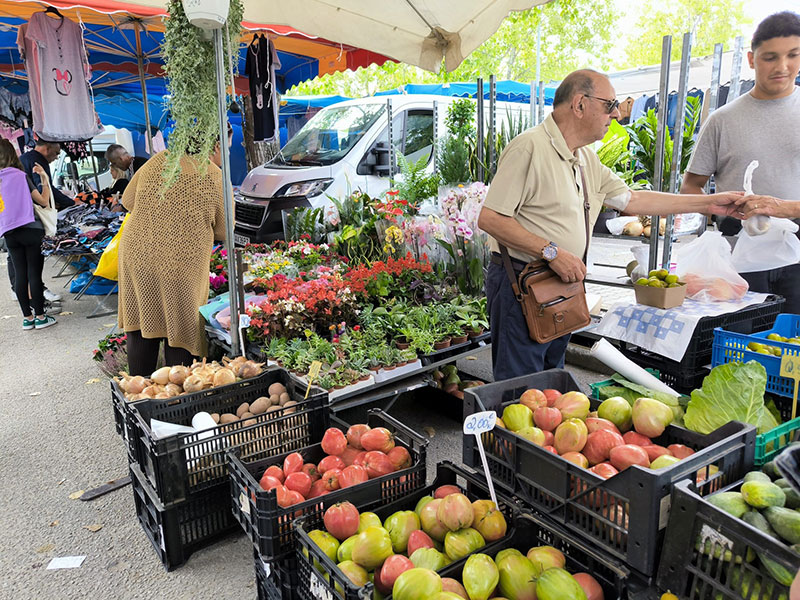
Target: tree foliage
575, 33
713, 21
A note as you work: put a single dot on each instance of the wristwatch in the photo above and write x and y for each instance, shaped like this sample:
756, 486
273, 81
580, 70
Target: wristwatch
550, 251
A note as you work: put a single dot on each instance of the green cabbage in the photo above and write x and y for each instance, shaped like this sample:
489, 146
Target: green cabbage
731, 392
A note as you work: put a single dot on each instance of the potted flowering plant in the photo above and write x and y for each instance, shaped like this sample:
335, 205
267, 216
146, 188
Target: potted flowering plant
218, 273
111, 354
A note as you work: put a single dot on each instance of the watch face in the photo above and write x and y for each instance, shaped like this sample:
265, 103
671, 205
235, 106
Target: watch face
550, 252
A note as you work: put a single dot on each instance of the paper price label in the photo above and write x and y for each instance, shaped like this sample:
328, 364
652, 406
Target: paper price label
318, 589
243, 503
479, 423
267, 568
790, 366
244, 321
313, 372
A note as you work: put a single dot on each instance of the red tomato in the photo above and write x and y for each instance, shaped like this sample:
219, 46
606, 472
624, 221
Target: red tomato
354, 435
341, 520
268, 482
377, 464
353, 475
400, 458
284, 498
330, 479
349, 455
330, 462
312, 471
292, 463
379, 438
276, 472
299, 482
334, 441
318, 489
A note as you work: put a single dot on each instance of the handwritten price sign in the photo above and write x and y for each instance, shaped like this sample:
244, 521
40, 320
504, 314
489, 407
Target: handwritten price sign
790, 367
476, 424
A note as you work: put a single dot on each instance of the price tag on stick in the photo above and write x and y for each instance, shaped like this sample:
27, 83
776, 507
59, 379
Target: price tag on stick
313, 372
476, 424
790, 367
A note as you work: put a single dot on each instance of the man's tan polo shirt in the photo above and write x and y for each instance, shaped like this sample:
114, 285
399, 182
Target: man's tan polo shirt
538, 184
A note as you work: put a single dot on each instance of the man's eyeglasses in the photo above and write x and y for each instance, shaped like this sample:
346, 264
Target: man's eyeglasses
611, 105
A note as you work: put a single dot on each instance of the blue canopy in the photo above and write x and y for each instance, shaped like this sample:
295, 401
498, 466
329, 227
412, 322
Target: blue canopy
507, 91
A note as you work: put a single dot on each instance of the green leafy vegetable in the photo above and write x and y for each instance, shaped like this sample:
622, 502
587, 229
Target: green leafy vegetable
632, 391
731, 392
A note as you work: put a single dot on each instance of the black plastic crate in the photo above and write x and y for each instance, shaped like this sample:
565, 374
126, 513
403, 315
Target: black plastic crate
626, 514
269, 526
314, 583
178, 531
276, 580
709, 554
123, 426
181, 465
685, 373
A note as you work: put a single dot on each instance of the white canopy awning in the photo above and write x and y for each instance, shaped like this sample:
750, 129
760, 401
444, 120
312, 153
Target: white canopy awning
418, 32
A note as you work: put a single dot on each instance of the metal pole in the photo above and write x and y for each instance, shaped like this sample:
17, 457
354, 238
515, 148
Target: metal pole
677, 142
538, 64
540, 104
533, 104
716, 71
227, 189
480, 130
94, 166
661, 134
390, 132
435, 135
736, 70
140, 60
492, 124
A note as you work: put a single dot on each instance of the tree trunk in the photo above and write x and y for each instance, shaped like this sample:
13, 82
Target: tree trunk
257, 153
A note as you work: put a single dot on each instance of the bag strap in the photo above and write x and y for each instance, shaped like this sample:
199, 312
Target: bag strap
507, 259
585, 211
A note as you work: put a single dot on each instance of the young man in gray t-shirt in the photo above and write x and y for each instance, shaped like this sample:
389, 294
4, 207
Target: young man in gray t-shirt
762, 125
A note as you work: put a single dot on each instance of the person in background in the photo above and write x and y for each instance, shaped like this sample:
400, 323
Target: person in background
164, 253
42, 155
760, 125
535, 207
127, 165
23, 233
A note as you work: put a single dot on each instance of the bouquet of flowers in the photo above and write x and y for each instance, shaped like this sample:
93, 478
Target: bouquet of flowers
111, 354
218, 273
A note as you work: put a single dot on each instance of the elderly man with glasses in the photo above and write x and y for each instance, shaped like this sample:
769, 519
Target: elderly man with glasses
535, 207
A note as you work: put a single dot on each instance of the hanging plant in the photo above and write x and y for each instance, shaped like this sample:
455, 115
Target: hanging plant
189, 64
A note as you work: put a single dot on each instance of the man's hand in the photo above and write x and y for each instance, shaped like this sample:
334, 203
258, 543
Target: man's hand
568, 266
724, 203
770, 206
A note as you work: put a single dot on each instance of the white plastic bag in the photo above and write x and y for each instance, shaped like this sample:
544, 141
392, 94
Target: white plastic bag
778, 247
641, 253
706, 266
758, 224
615, 226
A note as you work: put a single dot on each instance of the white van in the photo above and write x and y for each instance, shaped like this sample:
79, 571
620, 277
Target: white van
79, 175
343, 148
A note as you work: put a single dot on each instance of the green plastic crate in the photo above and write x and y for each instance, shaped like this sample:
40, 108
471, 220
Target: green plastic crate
769, 444
775, 440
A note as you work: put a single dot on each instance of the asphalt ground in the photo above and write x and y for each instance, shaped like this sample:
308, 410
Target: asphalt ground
57, 437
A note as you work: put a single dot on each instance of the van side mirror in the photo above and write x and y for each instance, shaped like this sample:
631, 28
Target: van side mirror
375, 161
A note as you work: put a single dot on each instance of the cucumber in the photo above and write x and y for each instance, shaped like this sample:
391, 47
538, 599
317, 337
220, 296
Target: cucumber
781, 483
771, 470
761, 494
776, 570
785, 522
759, 521
757, 476
731, 502
792, 498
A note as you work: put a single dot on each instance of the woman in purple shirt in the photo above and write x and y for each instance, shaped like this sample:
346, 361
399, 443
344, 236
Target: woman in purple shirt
23, 234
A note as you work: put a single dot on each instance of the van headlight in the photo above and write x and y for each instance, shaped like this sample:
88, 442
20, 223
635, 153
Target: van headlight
305, 188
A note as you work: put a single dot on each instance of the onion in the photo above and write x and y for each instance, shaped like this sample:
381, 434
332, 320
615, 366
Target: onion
150, 391
178, 374
163, 396
173, 390
137, 384
193, 383
224, 377
122, 381
249, 369
161, 376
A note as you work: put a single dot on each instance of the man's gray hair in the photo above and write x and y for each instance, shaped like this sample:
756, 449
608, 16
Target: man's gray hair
112, 151
577, 82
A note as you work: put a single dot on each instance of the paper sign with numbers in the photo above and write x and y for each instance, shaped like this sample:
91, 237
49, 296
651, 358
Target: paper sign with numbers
476, 424
790, 367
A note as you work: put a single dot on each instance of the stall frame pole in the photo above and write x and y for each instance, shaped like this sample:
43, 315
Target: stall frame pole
140, 62
736, 70
492, 125
536, 120
435, 148
540, 103
479, 150
677, 143
716, 73
533, 103
661, 134
227, 189
389, 133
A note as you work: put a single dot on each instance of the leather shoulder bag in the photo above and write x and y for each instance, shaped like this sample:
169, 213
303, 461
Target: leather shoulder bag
552, 308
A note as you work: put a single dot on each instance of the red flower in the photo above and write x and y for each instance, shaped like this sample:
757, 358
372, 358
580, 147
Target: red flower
357, 328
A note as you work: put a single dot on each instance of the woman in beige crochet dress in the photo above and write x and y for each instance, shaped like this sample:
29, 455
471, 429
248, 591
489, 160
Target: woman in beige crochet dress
164, 257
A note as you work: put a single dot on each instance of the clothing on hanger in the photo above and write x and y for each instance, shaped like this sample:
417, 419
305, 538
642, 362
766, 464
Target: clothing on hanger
637, 110
260, 65
58, 76
625, 110
75, 150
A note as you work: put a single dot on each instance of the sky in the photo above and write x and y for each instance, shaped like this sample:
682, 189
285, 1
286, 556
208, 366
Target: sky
758, 9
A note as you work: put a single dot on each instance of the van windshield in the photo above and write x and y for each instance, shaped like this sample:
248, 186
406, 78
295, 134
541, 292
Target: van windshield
329, 135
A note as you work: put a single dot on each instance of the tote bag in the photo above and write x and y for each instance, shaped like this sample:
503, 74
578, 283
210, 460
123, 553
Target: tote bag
48, 216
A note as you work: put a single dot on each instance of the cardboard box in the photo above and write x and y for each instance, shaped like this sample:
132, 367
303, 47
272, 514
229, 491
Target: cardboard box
660, 297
